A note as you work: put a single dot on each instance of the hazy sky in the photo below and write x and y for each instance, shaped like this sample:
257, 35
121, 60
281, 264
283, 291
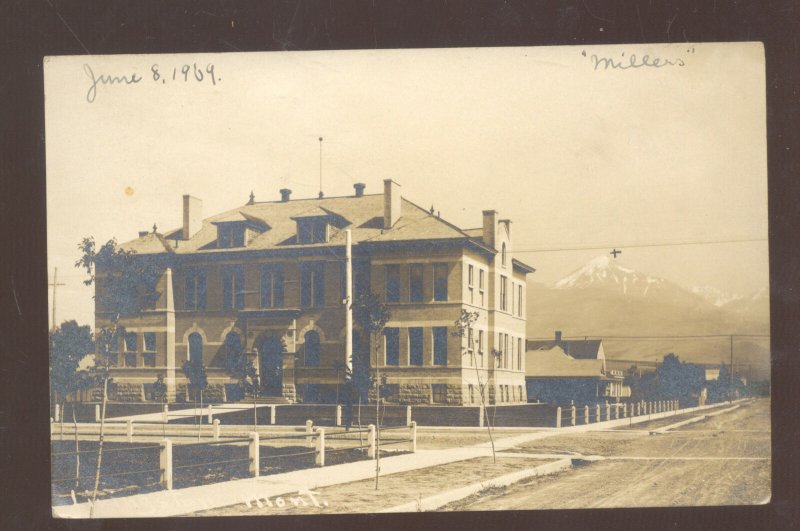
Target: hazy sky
574, 156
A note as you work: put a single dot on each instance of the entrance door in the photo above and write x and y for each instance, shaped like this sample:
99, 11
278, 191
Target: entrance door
271, 362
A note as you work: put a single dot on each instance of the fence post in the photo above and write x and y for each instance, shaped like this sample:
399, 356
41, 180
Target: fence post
586, 414
338, 414
310, 430
319, 454
253, 454
412, 445
371, 441
165, 463
97, 412
210, 414
129, 431
480, 419
574, 415
57, 416
216, 429
558, 417
51, 426
408, 415
608, 411
272, 414
625, 410
597, 412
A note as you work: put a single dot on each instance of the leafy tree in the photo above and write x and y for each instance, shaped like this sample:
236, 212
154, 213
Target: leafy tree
125, 284
160, 395
69, 343
372, 315
195, 372
241, 367
464, 328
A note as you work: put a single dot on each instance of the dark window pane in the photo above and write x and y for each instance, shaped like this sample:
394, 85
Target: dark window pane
415, 282
440, 345
189, 302
320, 232
266, 287
392, 283
415, 345
312, 349
440, 282
239, 287
201, 290
319, 284
277, 288
305, 285
130, 342
392, 346
195, 347
150, 341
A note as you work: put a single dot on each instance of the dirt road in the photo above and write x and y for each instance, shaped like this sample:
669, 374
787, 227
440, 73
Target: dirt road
724, 460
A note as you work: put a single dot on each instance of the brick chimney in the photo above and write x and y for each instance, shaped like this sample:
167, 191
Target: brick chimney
285, 194
192, 216
558, 336
489, 227
359, 189
391, 203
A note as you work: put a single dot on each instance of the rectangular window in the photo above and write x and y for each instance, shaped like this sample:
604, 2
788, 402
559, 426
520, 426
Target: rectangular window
481, 284
415, 282
392, 346
519, 300
392, 283
480, 343
519, 354
272, 286
440, 282
440, 345
361, 277
471, 394
519, 387
312, 284
230, 235
130, 342
149, 359
130, 359
320, 231
503, 293
149, 341
415, 346
194, 289
439, 393
505, 351
233, 287
470, 274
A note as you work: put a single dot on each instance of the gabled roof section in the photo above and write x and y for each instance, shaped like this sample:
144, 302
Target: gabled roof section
555, 363
362, 215
576, 348
150, 243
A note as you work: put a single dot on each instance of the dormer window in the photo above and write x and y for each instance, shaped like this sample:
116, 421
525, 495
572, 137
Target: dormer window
237, 230
230, 235
312, 231
318, 225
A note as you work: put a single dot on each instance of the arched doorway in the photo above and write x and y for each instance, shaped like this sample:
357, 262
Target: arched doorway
270, 355
195, 348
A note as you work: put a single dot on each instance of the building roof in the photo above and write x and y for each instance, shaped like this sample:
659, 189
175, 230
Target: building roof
576, 348
363, 215
555, 363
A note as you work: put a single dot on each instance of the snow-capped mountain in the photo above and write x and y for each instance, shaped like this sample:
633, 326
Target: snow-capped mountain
606, 298
715, 296
606, 273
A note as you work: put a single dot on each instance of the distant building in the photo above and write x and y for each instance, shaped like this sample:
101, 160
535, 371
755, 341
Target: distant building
553, 376
583, 349
266, 280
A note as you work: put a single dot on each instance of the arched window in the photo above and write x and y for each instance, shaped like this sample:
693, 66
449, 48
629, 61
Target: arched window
503, 253
312, 348
195, 347
233, 343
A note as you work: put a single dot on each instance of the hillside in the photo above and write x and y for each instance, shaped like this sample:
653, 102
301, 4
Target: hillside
605, 299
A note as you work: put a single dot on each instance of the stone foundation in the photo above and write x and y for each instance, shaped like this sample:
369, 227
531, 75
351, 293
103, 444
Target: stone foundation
289, 392
125, 392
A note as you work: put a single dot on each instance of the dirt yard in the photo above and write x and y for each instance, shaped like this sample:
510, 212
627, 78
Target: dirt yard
724, 460
395, 489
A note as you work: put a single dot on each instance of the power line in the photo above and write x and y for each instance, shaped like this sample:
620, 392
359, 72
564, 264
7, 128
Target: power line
651, 338
637, 246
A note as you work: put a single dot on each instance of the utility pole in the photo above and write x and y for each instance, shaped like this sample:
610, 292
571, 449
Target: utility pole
348, 300
730, 379
55, 284
320, 168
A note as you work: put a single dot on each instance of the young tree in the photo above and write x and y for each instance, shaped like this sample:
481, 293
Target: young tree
160, 395
125, 284
195, 372
69, 343
372, 315
339, 367
464, 328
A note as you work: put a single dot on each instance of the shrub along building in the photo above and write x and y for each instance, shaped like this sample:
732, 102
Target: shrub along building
267, 280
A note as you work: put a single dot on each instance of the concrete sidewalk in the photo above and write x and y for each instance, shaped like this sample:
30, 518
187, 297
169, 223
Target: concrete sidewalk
205, 497
186, 413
